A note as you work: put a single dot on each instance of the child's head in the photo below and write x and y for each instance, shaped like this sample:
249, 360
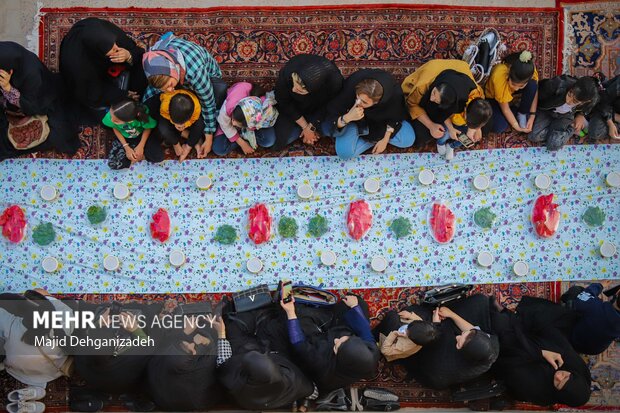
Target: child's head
521, 69
443, 95
181, 109
128, 110
583, 91
478, 113
422, 332
237, 114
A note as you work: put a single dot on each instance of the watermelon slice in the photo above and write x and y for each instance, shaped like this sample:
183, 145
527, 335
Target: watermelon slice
260, 224
359, 219
442, 221
160, 226
13, 223
545, 216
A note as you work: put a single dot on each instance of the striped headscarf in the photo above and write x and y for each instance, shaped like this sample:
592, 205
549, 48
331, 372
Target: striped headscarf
259, 113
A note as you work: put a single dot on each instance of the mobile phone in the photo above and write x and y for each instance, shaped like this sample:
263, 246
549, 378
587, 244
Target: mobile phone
465, 140
286, 290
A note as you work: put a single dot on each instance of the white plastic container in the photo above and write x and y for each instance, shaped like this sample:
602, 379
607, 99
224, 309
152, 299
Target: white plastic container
485, 259
328, 257
378, 263
521, 268
542, 181
121, 191
111, 263
481, 182
204, 182
254, 265
50, 264
426, 177
608, 249
372, 185
305, 191
176, 258
613, 179
48, 193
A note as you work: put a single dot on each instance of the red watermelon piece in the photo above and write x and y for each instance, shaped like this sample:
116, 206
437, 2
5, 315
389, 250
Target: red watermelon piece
359, 219
260, 224
13, 223
443, 223
160, 226
545, 216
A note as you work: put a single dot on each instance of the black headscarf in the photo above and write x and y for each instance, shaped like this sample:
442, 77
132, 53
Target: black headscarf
459, 87
390, 110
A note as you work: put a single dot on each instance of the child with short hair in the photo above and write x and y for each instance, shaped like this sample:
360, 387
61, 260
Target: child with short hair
469, 123
132, 127
182, 124
604, 120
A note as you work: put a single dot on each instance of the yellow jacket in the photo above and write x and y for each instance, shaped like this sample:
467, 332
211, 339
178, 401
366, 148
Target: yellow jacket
164, 109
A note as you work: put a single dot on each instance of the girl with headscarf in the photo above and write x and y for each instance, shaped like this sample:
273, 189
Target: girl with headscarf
27, 89
305, 85
369, 113
246, 120
536, 362
95, 57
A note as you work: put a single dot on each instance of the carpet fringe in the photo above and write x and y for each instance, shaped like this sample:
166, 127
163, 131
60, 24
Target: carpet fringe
32, 39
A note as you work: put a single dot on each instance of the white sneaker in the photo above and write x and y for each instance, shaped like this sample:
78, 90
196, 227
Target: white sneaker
25, 407
26, 394
449, 153
441, 149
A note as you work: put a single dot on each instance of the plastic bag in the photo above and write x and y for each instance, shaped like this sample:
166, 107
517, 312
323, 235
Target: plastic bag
443, 223
359, 219
545, 216
226, 234
260, 224
160, 226
44, 234
13, 223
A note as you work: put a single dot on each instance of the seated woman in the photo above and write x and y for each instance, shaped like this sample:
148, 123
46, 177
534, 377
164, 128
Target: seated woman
433, 93
403, 334
563, 105
101, 65
604, 119
305, 85
369, 112
515, 76
30, 91
335, 354
464, 350
246, 120
173, 62
537, 363
183, 376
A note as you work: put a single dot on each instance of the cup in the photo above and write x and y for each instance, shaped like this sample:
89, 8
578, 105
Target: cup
608, 249
304, 191
378, 263
50, 264
485, 259
48, 193
204, 182
371, 185
481, 182
121, 191
426, 177
542, 181
328, 257
613, 179
521, 268
254, 265
176, 258
111, 263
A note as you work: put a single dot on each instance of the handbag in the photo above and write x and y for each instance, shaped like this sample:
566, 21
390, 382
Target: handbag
252, 299
26, 132
309, 295
446, 293
203, 307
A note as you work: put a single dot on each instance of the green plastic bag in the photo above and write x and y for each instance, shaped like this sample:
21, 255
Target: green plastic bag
226, 234
484, 217
44, 234
401, 227
318, 226
594, 216
96, 214
287, 227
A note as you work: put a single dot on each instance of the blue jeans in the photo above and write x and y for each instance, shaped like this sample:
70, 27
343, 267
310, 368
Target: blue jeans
265, 138
446, 139
349, 144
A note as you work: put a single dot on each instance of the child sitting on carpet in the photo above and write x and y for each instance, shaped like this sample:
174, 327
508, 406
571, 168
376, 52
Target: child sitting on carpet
246, 120
132, 126
564, 103
604, 119
181, 124
515, 76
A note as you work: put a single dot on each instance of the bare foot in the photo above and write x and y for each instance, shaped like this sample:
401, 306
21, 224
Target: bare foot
186, 149
177, 149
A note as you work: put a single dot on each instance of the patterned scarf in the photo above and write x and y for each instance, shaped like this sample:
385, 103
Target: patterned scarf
259, 113
163, 59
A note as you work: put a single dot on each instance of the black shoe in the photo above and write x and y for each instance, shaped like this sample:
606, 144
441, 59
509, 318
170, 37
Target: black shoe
612, 291
571, 294
334, 401
86, 405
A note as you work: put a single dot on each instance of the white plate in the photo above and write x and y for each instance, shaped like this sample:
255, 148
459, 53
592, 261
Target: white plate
371, 185
204, 182
608, 249
521, 268
542, 181
111, 263
254, 265
378, 263
328, 257
176, 258
426, 177
50, 264
305, 191
613, 179
121, 191
485, 259
481, 182
48, 193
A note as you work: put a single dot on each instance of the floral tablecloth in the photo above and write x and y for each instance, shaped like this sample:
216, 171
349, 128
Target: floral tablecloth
578, 175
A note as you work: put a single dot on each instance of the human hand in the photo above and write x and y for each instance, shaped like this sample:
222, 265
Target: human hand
380, 146
437, 130
445, 312
530, 123
474, 134
189, 348
190, 326
204, 149
130, 153
129, 321
309, 136
139, 152
245, 146
184, 153
219, 326
133, 95
579, 123
454, 133
5, 80
355, 113
555, 359
289, 308
406, 316
436, 317
613, 131
350, 300
121, 55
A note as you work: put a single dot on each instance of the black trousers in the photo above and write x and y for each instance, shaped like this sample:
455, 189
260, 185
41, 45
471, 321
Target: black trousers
153, 152
171, 136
